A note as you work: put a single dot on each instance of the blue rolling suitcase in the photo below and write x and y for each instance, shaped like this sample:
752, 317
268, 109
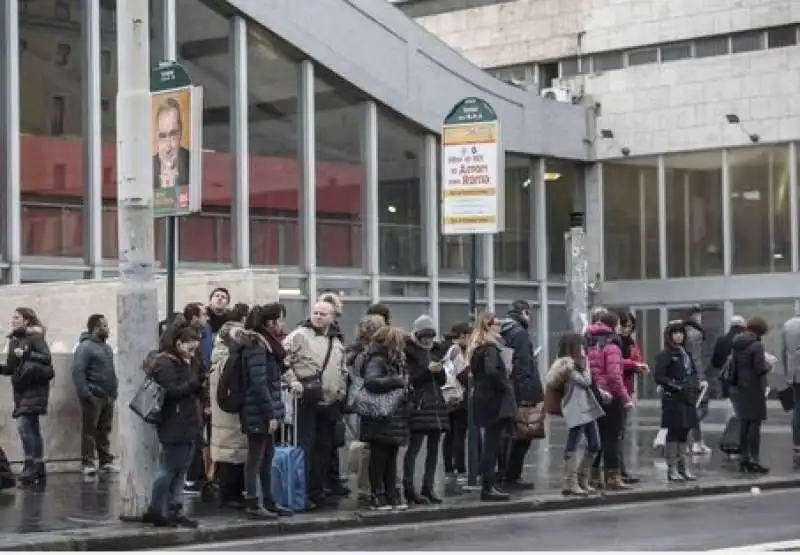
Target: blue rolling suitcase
289, 471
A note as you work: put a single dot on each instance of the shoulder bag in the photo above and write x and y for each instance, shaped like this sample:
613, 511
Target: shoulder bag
148, 403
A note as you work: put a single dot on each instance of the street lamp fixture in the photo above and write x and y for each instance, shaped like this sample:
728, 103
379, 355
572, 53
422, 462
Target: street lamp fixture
733, 119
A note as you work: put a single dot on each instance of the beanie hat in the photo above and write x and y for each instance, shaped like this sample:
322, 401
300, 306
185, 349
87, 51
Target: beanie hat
423, 323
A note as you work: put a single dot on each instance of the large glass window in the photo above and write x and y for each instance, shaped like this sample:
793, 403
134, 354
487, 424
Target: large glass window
275, 183
400, 170
561, 180
630, 219
203, 49
761, 234
108, 94
694, 214
512, 248
339, 125
52, 69
651, 340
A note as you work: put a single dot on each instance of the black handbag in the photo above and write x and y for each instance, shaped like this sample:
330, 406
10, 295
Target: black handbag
312, 386
148, 403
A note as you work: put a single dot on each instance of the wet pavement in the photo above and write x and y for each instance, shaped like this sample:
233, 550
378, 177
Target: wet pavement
71, 502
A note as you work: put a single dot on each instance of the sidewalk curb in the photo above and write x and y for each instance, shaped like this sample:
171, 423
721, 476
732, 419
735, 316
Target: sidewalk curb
136, 537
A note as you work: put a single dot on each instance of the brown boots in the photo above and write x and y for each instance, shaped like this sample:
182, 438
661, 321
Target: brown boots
614, 481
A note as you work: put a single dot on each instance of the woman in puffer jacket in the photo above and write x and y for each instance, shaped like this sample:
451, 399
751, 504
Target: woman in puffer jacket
605, 361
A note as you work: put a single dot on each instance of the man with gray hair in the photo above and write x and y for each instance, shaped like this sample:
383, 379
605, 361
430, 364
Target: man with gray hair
790, 355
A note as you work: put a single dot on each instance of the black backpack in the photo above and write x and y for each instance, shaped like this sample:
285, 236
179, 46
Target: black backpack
232, 384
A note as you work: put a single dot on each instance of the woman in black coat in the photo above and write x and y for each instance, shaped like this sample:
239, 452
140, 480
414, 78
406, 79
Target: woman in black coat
428, 412
180, 424
384, 372
30, 366
747, 392
675, 372
493, 399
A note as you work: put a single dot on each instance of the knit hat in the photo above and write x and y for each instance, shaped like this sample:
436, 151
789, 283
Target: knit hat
423, 323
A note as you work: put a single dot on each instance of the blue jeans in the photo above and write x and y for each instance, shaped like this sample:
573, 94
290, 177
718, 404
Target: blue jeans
31, 435
168, 483
796, 417
592, 438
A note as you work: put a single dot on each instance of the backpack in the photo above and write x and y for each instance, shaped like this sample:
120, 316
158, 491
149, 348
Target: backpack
727, 374
232, 384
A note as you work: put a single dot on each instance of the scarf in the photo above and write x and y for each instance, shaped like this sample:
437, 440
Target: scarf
275, 337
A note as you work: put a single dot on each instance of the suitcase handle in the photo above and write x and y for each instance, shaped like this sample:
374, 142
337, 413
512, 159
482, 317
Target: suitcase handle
284, 427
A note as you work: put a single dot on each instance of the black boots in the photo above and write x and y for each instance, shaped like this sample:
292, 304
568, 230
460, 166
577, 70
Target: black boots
752, 467
491, 493
255, 510
176, 517
428, 494
413, 498
33, 475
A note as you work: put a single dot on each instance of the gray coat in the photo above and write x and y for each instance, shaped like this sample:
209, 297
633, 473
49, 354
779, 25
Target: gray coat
695, 337
579, 405
790, 354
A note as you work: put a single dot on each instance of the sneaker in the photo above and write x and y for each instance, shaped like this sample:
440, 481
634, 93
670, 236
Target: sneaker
109, 468
89, 471
700, 448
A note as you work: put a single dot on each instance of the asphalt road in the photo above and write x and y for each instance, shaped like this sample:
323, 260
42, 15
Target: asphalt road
698, 524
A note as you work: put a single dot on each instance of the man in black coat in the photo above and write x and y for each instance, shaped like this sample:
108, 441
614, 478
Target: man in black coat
527, 386
722, 348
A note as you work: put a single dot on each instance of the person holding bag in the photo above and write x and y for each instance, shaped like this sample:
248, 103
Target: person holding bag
455, 365
386, 381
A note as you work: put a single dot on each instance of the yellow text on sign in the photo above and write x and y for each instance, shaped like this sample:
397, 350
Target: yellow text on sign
470, 134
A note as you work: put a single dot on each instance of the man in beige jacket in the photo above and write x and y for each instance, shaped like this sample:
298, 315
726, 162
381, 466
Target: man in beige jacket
317, 376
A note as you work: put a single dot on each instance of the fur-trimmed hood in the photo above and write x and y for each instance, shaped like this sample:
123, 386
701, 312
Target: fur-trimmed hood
30, 330
559, 371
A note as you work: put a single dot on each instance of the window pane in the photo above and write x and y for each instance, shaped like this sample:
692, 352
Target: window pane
694, 214
400, 170
674, 52
512, 248
51, 143
203, 49
714, 46
630, 219
275, 183
569, 67
561, 178
760, 209
641, 57
651, 340
608, 61
340, 173
108, 90
747, 42
783, 36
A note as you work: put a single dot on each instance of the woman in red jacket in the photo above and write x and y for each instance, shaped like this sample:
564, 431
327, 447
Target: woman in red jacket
632, 364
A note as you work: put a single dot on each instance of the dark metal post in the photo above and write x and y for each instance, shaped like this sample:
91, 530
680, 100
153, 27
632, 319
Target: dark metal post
472, 430
171, 254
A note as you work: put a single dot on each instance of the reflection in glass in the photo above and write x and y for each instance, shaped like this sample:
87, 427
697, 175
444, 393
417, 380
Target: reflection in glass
274, 167
630, 219
650, 338
51, 124
400, 171
108, 122
512, 247
561, 179
761, 236
203, 50
775, 312
339, 121
557, 324
694, 214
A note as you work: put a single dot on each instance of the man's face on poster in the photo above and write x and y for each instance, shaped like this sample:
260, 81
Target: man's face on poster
169, 138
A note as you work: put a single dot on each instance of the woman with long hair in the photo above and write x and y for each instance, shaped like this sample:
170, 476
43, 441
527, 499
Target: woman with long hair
493, 400
31, 369
384, 372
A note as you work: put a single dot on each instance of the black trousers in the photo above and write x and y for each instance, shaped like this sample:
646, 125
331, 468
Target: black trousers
511, 460
431, 459
315, 429
750, 440
230, 479
623, 468
610, 426
383, 470
490, 452
97, 422
454, 449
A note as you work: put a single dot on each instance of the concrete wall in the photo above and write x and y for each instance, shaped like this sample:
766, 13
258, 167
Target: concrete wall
64, 307
535, 30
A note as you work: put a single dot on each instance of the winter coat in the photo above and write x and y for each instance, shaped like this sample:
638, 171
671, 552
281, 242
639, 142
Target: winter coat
428, 410
790, 352
605, 361
93, 370
306, 349
181, 415
722, 348
631, 360
262, 395
751, 369
31, 373
382, 376
525, 373
494, 392
579, 404
228, 443
695, 338
676, 374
